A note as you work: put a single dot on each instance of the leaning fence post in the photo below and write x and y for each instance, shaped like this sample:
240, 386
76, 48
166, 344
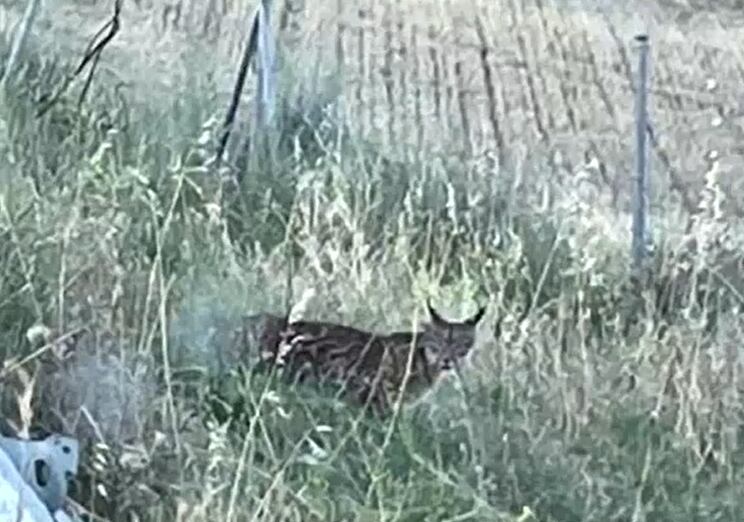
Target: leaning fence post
266, 73
261, 45
641, 227
19, 39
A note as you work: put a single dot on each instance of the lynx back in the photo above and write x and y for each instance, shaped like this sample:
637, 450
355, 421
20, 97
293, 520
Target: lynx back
371, 367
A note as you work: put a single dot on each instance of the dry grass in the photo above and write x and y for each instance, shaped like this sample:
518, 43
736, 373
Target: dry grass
555, 80
471, 152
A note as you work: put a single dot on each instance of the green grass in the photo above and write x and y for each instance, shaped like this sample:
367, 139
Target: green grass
599, 404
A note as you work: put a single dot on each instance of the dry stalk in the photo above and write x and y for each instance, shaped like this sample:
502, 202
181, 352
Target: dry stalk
489, 85
361, 71
596, 77
340, 35
462, 106
387, 76
529, 93
417, 95
566, 86
405, 57
449, 91
436, 73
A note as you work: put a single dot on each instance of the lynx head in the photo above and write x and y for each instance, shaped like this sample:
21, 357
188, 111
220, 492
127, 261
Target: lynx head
261, 332
446, 343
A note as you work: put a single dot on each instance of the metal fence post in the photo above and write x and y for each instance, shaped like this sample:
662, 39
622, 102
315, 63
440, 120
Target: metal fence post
641, 244
266, 73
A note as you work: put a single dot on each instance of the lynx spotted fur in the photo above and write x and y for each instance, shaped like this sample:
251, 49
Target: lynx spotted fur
369, 367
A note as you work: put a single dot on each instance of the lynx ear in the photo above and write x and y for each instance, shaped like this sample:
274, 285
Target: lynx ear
435, 317
477, 317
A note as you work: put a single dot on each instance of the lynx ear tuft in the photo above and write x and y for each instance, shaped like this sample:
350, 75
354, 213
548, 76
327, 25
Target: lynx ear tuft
477, 317
435, 317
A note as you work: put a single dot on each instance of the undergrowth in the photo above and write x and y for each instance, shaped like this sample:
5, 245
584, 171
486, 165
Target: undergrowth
588, 398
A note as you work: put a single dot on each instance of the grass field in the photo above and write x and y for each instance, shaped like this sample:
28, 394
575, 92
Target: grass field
468, 152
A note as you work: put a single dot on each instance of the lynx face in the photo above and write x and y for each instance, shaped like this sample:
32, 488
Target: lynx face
445, 344
261, 332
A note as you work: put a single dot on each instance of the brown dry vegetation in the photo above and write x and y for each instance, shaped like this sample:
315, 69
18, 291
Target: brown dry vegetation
515, 79
470, 151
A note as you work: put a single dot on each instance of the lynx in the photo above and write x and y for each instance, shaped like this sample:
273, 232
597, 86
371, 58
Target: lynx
369, 367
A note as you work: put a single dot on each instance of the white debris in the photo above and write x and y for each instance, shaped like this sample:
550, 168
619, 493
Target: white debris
17, 500
34, 477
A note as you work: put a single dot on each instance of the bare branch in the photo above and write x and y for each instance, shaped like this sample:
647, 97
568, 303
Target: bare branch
92, 54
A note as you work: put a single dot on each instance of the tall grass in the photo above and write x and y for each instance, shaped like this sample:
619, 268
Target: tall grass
586, 399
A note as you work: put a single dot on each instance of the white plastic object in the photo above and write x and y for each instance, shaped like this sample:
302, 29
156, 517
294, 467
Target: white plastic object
17, 500
46, 466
